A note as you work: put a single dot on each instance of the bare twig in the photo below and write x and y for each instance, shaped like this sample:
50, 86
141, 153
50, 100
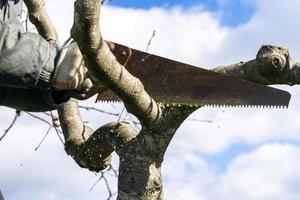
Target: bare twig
39, 145
38, 118
47, 114
11, 124
150, 40
200, 120
98, 110
55, 124
27, 22
103, 177
120, 115
108, 188
115, 172
96, 183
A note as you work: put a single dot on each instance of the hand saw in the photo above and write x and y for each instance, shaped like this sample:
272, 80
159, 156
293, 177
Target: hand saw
173, 82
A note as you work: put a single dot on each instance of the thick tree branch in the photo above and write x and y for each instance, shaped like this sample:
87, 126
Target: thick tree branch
156, 139
272, 65
104, 65
39, 17
91, 149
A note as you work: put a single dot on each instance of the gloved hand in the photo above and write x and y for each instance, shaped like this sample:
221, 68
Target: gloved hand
70, 72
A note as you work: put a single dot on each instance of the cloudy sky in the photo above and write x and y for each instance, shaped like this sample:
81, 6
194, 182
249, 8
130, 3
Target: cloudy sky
249, 154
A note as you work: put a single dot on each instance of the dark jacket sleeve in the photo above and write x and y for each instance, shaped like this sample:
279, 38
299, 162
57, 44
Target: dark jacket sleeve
1, 196
32, 100
26, 59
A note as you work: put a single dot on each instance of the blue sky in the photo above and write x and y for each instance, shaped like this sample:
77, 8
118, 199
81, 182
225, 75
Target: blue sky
233, 12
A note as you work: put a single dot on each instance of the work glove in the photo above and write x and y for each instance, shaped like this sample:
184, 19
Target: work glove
71, 73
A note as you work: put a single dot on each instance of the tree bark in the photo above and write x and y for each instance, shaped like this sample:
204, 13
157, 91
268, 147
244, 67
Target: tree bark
140, 157
39, 17
272, 65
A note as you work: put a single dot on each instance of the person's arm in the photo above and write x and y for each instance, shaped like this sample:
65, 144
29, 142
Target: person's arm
1, 196
31, 100
26, 59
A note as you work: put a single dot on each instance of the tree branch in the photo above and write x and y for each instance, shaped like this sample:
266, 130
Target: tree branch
39, 17
17, 114
100, 60
272, 65
91, 149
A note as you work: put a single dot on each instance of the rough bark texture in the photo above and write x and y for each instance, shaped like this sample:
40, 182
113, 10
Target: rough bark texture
40, 18
104, 65
141, 154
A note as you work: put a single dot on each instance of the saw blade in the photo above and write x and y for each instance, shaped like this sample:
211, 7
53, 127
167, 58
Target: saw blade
173, 82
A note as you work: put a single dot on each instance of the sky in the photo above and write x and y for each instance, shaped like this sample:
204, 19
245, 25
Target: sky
234, 153
233, 12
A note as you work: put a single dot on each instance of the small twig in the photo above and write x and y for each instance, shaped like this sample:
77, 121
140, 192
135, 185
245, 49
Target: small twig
111, 168
11, 124
55, 126
114, 171
47, 114
120, 115
27, 22
200, 120
38, 118
43, 138
54, 123
108, 188
130, 118
150, 40
98, 110
97, 181
102, 177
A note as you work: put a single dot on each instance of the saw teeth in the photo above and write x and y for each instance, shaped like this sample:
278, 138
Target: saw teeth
247, 106
109, 101
211, 105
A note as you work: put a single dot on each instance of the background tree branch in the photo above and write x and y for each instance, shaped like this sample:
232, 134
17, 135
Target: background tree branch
272, 65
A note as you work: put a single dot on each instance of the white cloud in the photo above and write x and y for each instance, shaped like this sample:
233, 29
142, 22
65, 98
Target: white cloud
269, 172
272, 23
186, 35
44, 174
183, 34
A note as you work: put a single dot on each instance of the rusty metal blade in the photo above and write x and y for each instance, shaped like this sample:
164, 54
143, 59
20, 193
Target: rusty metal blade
169, 81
